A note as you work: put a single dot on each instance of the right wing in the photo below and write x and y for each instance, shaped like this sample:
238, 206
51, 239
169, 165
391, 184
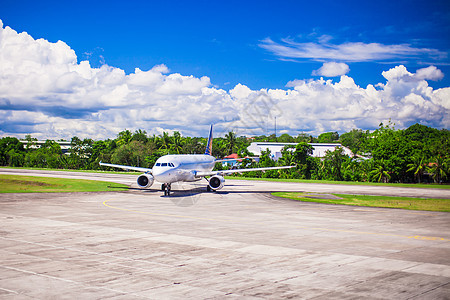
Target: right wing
146, 170
223, 172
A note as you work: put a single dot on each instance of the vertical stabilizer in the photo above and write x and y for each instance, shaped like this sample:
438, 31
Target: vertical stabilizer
209, 143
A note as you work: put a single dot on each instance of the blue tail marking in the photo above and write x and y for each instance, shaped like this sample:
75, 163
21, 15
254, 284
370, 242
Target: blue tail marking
209, 144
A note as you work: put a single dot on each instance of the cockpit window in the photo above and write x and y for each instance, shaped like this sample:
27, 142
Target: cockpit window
165, 165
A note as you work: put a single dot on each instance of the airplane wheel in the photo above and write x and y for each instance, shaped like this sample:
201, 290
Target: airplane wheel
167, 189
163, 187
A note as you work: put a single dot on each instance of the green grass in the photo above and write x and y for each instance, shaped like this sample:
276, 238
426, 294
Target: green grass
72, 170
372, 201
31, 184
413, 185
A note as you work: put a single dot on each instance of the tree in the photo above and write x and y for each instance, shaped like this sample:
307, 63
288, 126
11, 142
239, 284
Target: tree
230, 138
134, 153
438, 169
303, 137
302, 157
12, 152
286, 138
163, 141
177, 143
380, 173
195, 146
265, 160
417, 167
333, 163
31, 142
288, 159
124, 137
80, 153
328, 137
139, 135
354, 140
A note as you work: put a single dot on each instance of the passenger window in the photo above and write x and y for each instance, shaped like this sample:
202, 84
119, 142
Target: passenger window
157, 165
164, 165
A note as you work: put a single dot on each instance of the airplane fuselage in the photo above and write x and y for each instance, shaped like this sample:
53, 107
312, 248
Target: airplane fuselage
173, 168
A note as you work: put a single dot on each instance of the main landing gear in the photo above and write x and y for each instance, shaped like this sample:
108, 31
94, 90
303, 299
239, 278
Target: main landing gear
166, 187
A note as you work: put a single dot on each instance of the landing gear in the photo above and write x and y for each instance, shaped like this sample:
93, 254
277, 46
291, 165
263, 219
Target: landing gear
166, 187
208, 188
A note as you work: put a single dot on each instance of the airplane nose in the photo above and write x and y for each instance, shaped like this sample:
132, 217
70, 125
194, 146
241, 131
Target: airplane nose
162, 175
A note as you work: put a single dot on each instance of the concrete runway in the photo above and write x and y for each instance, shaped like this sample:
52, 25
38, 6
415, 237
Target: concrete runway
240, 242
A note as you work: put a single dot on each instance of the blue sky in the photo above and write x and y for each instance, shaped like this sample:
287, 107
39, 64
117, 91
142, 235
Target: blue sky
225, 54
222, 39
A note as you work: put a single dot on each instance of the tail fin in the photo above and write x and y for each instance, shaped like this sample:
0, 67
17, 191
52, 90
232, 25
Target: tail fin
209, 144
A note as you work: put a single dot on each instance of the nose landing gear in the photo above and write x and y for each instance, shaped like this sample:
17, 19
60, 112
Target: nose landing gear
166, 187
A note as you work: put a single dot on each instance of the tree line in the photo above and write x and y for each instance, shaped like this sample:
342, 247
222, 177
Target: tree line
416, 154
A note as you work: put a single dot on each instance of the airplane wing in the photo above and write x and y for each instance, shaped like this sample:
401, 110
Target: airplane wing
146, 170
233, 159
224, 172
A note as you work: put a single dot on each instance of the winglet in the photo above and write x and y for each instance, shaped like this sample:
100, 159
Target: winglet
209, 144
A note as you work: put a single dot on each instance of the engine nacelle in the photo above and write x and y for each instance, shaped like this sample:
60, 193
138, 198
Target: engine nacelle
216, 182
145, 181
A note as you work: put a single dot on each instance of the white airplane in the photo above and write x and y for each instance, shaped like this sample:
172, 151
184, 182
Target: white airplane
188, 168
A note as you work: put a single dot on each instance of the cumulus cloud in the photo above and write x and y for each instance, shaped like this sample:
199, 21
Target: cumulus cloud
349, 52
430, 73
332, 69
46, 92
45, 79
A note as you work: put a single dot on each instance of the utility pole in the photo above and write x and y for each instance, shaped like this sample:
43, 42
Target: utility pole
275, 127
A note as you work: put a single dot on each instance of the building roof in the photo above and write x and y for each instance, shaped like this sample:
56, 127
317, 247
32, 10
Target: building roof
233, 155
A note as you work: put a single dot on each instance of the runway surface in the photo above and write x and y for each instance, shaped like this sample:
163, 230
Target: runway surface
241, 242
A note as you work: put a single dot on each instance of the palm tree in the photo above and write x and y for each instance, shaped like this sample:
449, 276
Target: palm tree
380, 173
164, 141
417, 166
124, 137
230, 141
177, 142
438, 169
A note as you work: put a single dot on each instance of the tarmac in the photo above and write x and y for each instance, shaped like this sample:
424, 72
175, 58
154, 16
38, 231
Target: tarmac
240, 242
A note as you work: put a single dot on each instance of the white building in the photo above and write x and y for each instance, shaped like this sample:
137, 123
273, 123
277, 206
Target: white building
65, 145
275, 148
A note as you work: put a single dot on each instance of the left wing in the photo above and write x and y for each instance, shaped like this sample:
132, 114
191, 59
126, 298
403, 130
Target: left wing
146, 170
224, 172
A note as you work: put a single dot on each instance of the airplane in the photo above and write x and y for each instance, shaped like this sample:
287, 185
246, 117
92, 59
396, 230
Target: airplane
186, 168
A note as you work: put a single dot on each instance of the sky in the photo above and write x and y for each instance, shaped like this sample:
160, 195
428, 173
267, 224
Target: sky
95, 68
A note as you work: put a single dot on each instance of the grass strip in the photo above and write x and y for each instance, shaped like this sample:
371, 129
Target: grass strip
73, 170
428, 204
32, 184
406, 185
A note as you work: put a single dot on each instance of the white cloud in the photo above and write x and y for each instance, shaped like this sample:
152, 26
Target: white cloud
348, 52
45, 92
332, 69
429, 73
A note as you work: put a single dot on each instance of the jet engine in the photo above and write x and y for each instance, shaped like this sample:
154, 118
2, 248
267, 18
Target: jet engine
145, 181
216, 182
